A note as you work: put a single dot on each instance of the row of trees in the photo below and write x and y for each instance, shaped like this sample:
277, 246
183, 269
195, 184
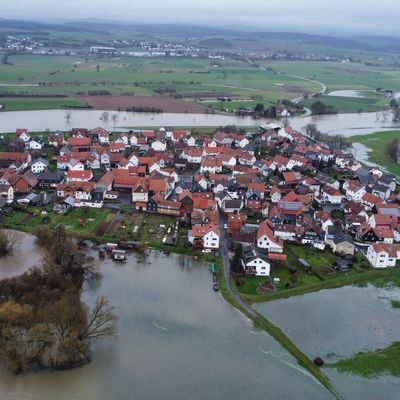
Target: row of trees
43, 322
333, 142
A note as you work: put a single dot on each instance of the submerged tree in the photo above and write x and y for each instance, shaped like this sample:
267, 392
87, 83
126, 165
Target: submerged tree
8, 241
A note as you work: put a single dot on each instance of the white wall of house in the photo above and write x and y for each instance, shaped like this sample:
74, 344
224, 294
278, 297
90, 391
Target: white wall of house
381, 259
140, 197
261, 266
81, 195
159, 146
38, 167
266, 243
92, 204
211, 240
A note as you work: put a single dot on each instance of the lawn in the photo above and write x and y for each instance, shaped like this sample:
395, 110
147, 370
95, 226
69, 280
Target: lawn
32, 217
378, 143
372, 364
298, 281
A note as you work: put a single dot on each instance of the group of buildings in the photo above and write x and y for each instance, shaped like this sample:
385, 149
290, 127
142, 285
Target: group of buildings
270, 187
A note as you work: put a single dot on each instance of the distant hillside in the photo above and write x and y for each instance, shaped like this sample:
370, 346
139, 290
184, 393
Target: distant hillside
215, 42
207, 36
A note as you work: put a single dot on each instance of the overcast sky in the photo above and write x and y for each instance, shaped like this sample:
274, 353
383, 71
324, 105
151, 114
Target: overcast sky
335, 16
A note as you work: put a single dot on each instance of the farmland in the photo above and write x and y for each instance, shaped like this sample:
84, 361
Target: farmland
75, 75
338, 76
193, 80
40, 103
370, 102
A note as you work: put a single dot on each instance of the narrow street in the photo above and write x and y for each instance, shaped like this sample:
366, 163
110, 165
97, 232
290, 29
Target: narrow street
223, 247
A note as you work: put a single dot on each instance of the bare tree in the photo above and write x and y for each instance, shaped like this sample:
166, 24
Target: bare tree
8, 241
114, 117
68, 116
102, 321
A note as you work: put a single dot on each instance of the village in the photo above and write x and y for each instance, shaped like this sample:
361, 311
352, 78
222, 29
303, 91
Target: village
281, 202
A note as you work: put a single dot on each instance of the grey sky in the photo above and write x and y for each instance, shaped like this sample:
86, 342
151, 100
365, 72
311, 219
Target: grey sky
346, 16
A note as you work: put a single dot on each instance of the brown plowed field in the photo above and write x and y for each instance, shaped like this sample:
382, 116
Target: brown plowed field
166, 104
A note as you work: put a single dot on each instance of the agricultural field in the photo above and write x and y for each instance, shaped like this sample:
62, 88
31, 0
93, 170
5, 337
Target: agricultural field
370, 102
338, 76
40, 103
188, 78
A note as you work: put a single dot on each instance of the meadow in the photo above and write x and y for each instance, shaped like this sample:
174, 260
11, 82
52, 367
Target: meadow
378, 143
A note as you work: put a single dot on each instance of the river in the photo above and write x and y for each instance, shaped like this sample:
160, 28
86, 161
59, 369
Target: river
178, 339
344, 124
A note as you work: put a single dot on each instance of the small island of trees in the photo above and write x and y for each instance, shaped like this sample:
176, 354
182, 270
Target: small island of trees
43, 322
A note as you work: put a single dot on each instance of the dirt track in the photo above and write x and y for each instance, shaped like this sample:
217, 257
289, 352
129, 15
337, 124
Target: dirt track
166, 104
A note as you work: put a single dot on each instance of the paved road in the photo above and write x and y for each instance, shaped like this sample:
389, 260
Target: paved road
223, 247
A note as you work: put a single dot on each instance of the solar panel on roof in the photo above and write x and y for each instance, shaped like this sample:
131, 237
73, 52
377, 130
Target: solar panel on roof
389, 211
289, 205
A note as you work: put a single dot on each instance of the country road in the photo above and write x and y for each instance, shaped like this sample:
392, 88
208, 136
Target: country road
223, 247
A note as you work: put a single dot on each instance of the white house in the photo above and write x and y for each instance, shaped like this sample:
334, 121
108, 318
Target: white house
209, 235
7, 192
331, 195
193, 155
75, 165
382, 255
253, 264
39, 165
140, 193
266, 239
159, 145
191, 141
23, 135
354, 193
34, 144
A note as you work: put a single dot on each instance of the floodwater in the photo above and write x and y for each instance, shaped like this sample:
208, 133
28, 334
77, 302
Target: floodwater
344, 124
25, 256
178, 339
361, 153
346, 93
338, 323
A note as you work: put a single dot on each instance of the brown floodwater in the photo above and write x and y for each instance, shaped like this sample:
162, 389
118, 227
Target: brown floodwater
178, 339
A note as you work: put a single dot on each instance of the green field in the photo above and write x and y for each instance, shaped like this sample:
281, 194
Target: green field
143, 76
192, 77
371, 102
342, 75
372, 364
39, 103
378, 143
